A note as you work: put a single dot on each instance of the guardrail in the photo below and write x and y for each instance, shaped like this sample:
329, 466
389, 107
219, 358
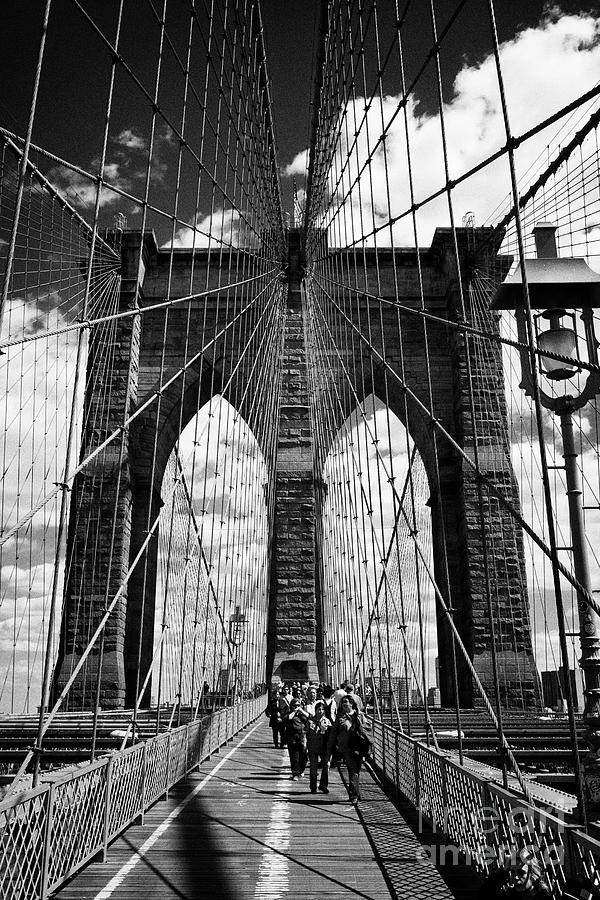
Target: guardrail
477, 818
50, 832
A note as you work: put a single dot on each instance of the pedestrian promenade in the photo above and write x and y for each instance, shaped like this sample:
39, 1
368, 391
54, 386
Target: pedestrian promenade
240, 828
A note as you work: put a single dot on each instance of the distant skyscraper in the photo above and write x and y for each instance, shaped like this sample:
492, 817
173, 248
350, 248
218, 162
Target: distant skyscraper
403, 692
433, 696
553, 686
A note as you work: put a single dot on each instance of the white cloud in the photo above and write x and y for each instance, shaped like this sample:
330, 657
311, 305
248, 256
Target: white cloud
225, 226
298, 166
80, 191
131, 139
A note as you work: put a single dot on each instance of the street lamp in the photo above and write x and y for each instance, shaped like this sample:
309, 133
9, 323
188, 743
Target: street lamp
237, 636
558, 286
237, 627
330, 656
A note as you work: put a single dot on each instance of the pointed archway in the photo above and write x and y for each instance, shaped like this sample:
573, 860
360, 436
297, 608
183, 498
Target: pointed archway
377, 600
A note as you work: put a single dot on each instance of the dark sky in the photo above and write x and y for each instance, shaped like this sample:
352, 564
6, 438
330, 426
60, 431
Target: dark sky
70, 117
291, 30
290, 37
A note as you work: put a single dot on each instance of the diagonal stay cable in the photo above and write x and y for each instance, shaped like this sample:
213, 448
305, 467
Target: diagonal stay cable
450, 184
147, 403
9, 140
108, 611
460, 327
365, 495
121, 192
501, 736
585, 594
375, 609
139, 311
91, 643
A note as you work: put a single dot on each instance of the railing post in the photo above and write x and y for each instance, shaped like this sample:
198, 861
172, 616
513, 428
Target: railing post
192, 731
201, 740
107, 802
570, 865
44, 886
143, 784
209, 730
188, 750
397, 750
444, 793
416, 768
168, 767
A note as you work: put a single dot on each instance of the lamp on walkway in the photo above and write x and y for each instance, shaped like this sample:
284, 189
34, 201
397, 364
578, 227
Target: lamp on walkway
558, 287
237, 636
330, 658
237, 627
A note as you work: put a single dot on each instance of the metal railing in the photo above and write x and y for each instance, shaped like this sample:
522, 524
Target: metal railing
50, 832
479, 820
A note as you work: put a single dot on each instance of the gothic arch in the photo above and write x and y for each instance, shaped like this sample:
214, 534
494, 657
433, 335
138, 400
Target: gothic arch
395, 545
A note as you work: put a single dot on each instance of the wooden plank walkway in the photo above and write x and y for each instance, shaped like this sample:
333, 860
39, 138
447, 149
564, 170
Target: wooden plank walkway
240, 828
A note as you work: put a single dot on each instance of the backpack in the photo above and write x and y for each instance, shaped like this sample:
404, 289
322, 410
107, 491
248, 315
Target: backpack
359, 741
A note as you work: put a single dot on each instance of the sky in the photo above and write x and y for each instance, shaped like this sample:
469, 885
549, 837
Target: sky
69, 121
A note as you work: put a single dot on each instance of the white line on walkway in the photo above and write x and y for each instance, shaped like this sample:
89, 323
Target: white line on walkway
273, 872
132, 862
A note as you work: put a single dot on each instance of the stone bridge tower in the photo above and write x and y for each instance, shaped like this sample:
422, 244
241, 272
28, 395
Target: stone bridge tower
294, 612
294, 630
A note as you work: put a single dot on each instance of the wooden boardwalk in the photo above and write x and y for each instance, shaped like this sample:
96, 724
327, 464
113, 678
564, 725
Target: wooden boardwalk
240, 828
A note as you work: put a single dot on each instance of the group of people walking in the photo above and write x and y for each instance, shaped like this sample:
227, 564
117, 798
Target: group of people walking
319, 725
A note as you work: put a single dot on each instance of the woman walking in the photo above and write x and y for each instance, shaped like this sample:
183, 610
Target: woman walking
295, 734
274, 714
349, 738
317, 730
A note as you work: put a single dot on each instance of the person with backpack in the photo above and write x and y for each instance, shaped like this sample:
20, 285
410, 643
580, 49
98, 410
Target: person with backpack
348, 737
317, 730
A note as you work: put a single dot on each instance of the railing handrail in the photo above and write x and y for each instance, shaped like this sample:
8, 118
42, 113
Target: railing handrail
34, 823
432, 780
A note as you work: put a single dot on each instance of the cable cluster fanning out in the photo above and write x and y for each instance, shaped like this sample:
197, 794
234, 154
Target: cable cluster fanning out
397, 266
142, 316
149, 271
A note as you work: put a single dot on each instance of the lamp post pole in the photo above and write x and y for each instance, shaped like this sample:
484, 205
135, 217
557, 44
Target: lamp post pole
589, 621
237, 627
330, 659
